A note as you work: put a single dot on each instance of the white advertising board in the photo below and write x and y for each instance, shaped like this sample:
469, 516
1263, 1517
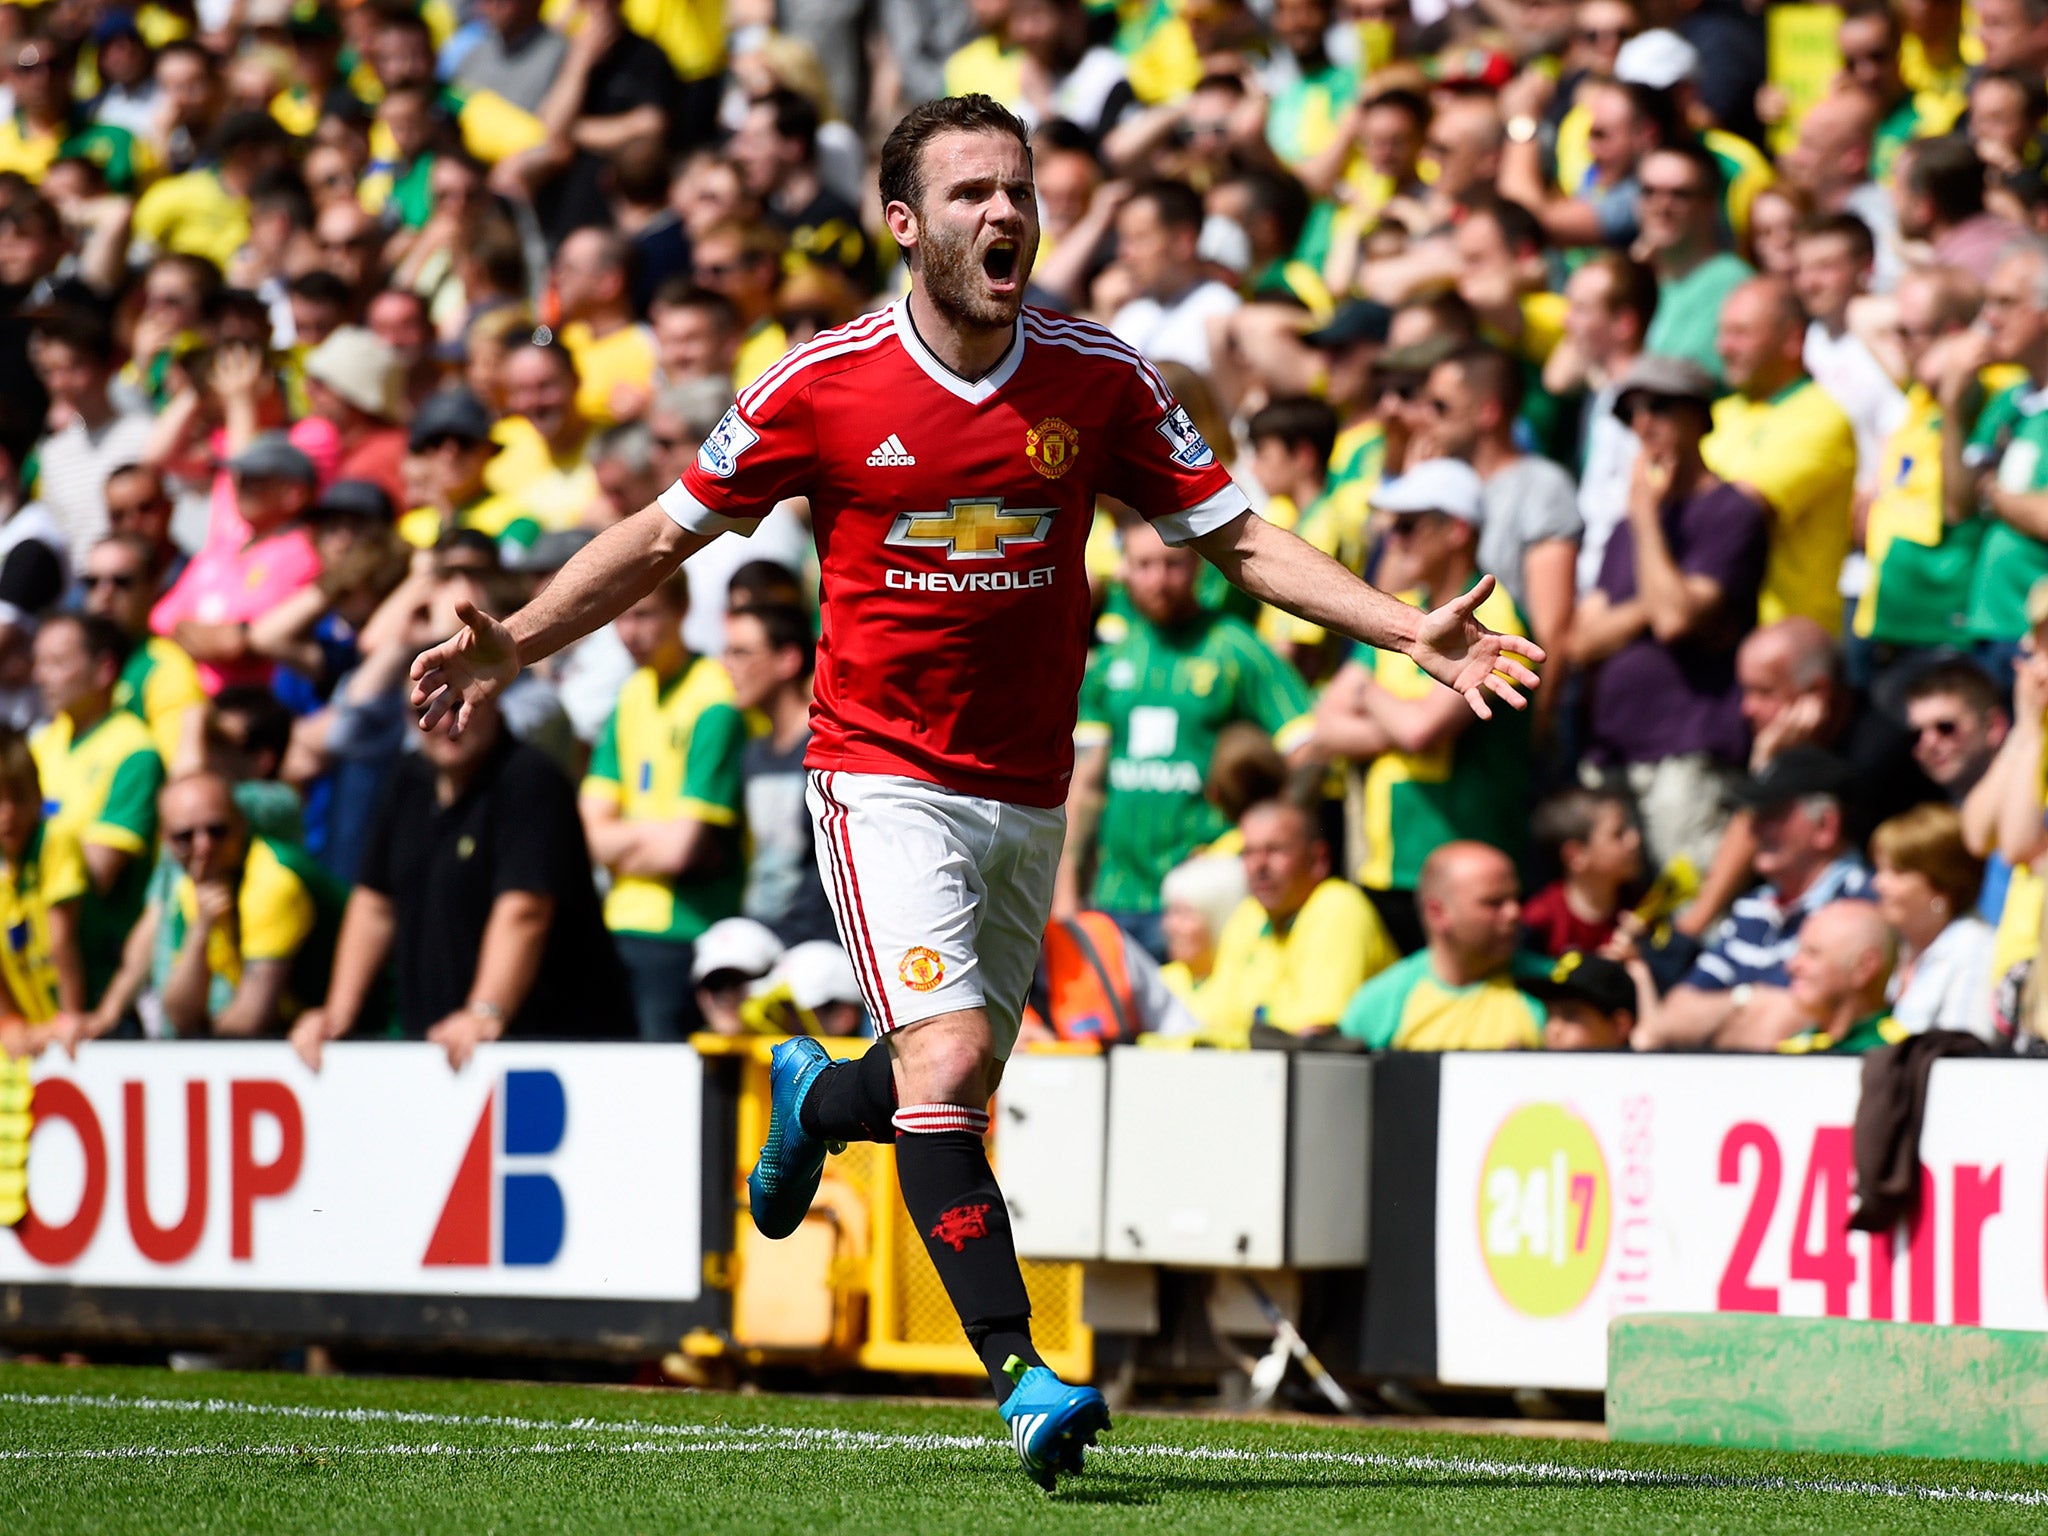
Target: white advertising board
537, 1171
1571, 1189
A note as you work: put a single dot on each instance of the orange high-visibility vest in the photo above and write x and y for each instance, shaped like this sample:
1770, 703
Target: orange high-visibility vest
1088, 986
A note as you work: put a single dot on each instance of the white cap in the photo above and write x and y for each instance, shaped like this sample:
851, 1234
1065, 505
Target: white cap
1657, 58
1450, 486
1224, 242
816, 972
735, 944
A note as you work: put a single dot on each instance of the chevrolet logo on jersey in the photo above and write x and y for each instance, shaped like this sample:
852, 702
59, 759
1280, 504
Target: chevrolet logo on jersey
972, 528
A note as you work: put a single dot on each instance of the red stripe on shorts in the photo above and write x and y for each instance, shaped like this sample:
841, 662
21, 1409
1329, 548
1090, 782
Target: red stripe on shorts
849, 881
848, 933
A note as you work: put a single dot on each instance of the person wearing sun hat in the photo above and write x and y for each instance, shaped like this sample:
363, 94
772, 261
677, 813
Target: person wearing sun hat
357, 383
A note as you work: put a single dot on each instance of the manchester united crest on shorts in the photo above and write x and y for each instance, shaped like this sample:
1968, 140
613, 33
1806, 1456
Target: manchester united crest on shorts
1051, 446
921, 969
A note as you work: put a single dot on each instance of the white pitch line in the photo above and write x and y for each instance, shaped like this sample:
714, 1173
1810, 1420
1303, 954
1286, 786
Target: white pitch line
693, 1439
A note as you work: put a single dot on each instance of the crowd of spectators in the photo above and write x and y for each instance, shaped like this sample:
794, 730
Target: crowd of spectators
324, 320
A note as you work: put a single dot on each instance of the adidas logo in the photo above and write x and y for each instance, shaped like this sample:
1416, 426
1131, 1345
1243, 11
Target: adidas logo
891, 454
1022, 1428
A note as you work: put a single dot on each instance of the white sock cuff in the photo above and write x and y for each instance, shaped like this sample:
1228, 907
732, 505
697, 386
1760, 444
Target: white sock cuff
928, 1119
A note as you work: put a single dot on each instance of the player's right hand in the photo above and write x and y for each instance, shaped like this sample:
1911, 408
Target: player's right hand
476, 663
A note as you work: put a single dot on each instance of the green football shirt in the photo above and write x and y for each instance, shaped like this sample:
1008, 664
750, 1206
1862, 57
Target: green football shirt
2012, 435
1158, 699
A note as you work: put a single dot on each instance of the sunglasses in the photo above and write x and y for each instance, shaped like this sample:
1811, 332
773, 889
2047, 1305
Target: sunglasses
1594, 36
1405, 525
437, 443
119, 583
1941, 728
1401, 389
183, 837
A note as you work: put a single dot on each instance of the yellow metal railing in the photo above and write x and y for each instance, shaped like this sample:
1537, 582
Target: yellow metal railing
855, 1283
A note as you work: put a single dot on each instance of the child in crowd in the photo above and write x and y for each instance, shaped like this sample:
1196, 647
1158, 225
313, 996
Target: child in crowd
1595, 840
42, 879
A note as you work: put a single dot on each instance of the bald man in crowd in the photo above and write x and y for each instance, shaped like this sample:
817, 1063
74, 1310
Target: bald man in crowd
1837, 979
1783, 441
1457, 993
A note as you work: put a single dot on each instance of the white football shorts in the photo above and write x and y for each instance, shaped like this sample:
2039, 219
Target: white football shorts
942, 898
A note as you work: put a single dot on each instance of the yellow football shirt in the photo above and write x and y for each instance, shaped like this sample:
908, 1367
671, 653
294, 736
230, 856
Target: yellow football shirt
193, 215
605, 364
51, 872
1798, 452
555, 490
668, 752
1296, 980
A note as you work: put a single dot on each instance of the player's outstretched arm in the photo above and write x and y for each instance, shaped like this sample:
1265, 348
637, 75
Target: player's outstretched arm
606, 577
1449, 643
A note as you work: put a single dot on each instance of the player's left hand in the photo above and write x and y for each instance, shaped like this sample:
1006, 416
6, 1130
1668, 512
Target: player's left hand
1457, 650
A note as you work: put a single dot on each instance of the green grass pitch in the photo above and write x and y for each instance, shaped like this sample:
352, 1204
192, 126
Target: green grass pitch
114, 1451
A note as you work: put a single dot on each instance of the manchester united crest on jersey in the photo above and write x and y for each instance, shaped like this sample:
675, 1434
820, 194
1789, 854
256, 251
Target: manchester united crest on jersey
1052, 446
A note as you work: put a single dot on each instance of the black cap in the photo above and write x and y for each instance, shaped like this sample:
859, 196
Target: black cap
451, 413
1586, 979
1792, 775
354, 498
1355, 320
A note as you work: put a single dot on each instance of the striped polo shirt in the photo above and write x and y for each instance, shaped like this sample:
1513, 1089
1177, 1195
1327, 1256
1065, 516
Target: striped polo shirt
1757, 937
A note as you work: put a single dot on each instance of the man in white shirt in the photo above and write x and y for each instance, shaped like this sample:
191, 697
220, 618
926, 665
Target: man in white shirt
72, 351
1834, 255
1158, 232
1612, 299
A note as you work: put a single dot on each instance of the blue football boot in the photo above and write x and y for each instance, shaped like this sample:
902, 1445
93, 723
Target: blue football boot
1050, 1422
786, 1175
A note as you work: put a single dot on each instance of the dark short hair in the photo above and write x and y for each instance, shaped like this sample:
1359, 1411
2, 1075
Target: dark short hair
1635, 284
1520, 230
1179, 205
680, 292
1297, 421
320, 286
1845, 226
1413, 103
787, 627
1491, 374
758, 583
902, 167
84, 331
1958, 679
795, 117
1949, 173
1701, 158
1280, 197
270, 722
34, 213
104, 639
1570, 815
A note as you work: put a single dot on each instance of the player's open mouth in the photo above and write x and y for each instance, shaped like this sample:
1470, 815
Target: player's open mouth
999, 265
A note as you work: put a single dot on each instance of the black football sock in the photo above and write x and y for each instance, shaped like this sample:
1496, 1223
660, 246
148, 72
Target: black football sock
853, 1100
950, 1191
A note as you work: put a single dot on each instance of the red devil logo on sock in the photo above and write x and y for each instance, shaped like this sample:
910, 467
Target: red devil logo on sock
959, 1224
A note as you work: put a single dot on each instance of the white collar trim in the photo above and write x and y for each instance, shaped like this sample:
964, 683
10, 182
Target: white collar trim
975, 391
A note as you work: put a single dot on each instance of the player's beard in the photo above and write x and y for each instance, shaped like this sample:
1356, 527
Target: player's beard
957, 286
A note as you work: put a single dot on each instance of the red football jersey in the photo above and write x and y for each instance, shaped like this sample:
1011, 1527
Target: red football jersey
951, 519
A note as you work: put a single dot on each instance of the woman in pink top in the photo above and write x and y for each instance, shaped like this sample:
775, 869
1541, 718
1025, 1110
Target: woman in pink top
226, 586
